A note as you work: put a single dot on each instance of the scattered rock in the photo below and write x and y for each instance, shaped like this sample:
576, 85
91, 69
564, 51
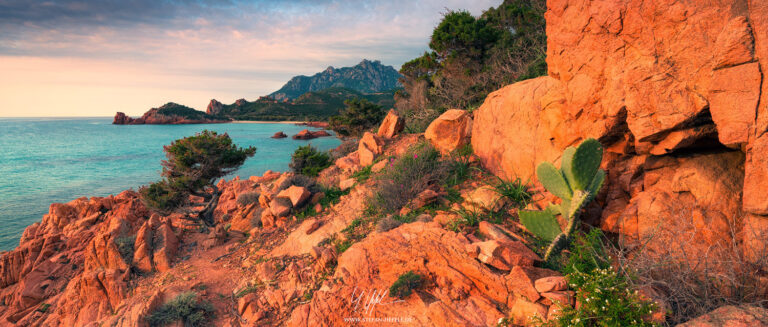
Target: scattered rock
306, 134
347, 183
504, 255
370, 146
296, 194
731, 316
484, 198
391, 125
279, 135
549, 284
280, 207
450, 131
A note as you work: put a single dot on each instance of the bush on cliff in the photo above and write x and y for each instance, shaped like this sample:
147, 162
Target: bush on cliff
418, 169
405, 284
359, 116
248, 198
186, 308
307, 160
193, 164
471, 57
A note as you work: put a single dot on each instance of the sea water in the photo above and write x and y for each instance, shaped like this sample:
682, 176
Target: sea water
48, 160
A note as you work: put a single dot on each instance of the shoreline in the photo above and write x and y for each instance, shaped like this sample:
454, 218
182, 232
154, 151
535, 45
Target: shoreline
265, 122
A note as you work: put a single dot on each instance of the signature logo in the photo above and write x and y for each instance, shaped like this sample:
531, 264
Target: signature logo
366, 300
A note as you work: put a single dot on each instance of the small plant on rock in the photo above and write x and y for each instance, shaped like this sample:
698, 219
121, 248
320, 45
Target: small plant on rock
576, 182
186, 308
248, 198
605, 296
405, 284
307, 160
514, 190
125, 247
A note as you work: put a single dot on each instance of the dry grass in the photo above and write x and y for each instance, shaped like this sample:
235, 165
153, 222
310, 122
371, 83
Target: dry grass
694, 280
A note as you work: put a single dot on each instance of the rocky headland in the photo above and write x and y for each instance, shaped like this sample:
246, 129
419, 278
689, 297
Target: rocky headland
169, 114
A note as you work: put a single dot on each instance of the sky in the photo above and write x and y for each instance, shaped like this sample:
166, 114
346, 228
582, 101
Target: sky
94, 58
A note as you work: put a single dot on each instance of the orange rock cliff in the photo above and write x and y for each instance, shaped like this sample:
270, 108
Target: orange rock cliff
674, 90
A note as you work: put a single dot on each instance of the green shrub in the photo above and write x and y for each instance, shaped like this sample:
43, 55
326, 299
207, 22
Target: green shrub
363, 174
248, 289
605, 296
418, 169
459, 165
332, 196
186, 308
248, 198
307, 160
162, 196
405, 284
359, 116
469, 57
43, 308
342, 246
125, 247
193, 164
514, 190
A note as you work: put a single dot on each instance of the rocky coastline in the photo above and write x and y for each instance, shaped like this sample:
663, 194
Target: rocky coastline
673, 91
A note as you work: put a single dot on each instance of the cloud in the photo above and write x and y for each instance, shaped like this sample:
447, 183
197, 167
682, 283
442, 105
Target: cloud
250, 47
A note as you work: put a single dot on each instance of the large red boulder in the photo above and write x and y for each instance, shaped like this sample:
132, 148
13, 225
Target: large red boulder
450, 131
391, 125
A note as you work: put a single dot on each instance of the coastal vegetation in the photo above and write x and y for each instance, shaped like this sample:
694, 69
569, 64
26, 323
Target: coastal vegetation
192, 166
405, 284
311, 106
358, 116
186, 308
307, 160
470, 57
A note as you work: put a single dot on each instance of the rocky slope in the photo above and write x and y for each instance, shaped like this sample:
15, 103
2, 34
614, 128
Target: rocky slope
366, 77
673, 90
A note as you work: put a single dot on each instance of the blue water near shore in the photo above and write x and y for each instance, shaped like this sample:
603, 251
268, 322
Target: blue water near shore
47, 160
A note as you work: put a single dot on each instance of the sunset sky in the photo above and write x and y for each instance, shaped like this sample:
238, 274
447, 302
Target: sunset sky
93, 58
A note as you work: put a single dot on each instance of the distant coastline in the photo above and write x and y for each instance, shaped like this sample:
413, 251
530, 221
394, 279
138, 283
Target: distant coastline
267, 122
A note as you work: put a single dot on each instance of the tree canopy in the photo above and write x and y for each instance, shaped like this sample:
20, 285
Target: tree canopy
358, 116
192, 166
473, 56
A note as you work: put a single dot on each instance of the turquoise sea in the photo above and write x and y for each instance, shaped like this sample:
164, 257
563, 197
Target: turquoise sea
47, 160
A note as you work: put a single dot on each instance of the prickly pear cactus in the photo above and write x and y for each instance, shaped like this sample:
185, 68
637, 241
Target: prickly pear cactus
577, 182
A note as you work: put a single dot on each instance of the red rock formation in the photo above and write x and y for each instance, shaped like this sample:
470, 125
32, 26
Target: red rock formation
369, 148
78, 260
459, 290
391, 125
450, 131
306, 134
279, 135
214, 107
154, 116
731, 316
668, 87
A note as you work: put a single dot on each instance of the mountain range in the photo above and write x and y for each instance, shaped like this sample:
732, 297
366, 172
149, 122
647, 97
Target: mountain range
302, 98
365, 77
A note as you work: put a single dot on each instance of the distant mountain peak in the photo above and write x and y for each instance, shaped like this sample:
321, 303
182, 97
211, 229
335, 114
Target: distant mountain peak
365, 77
